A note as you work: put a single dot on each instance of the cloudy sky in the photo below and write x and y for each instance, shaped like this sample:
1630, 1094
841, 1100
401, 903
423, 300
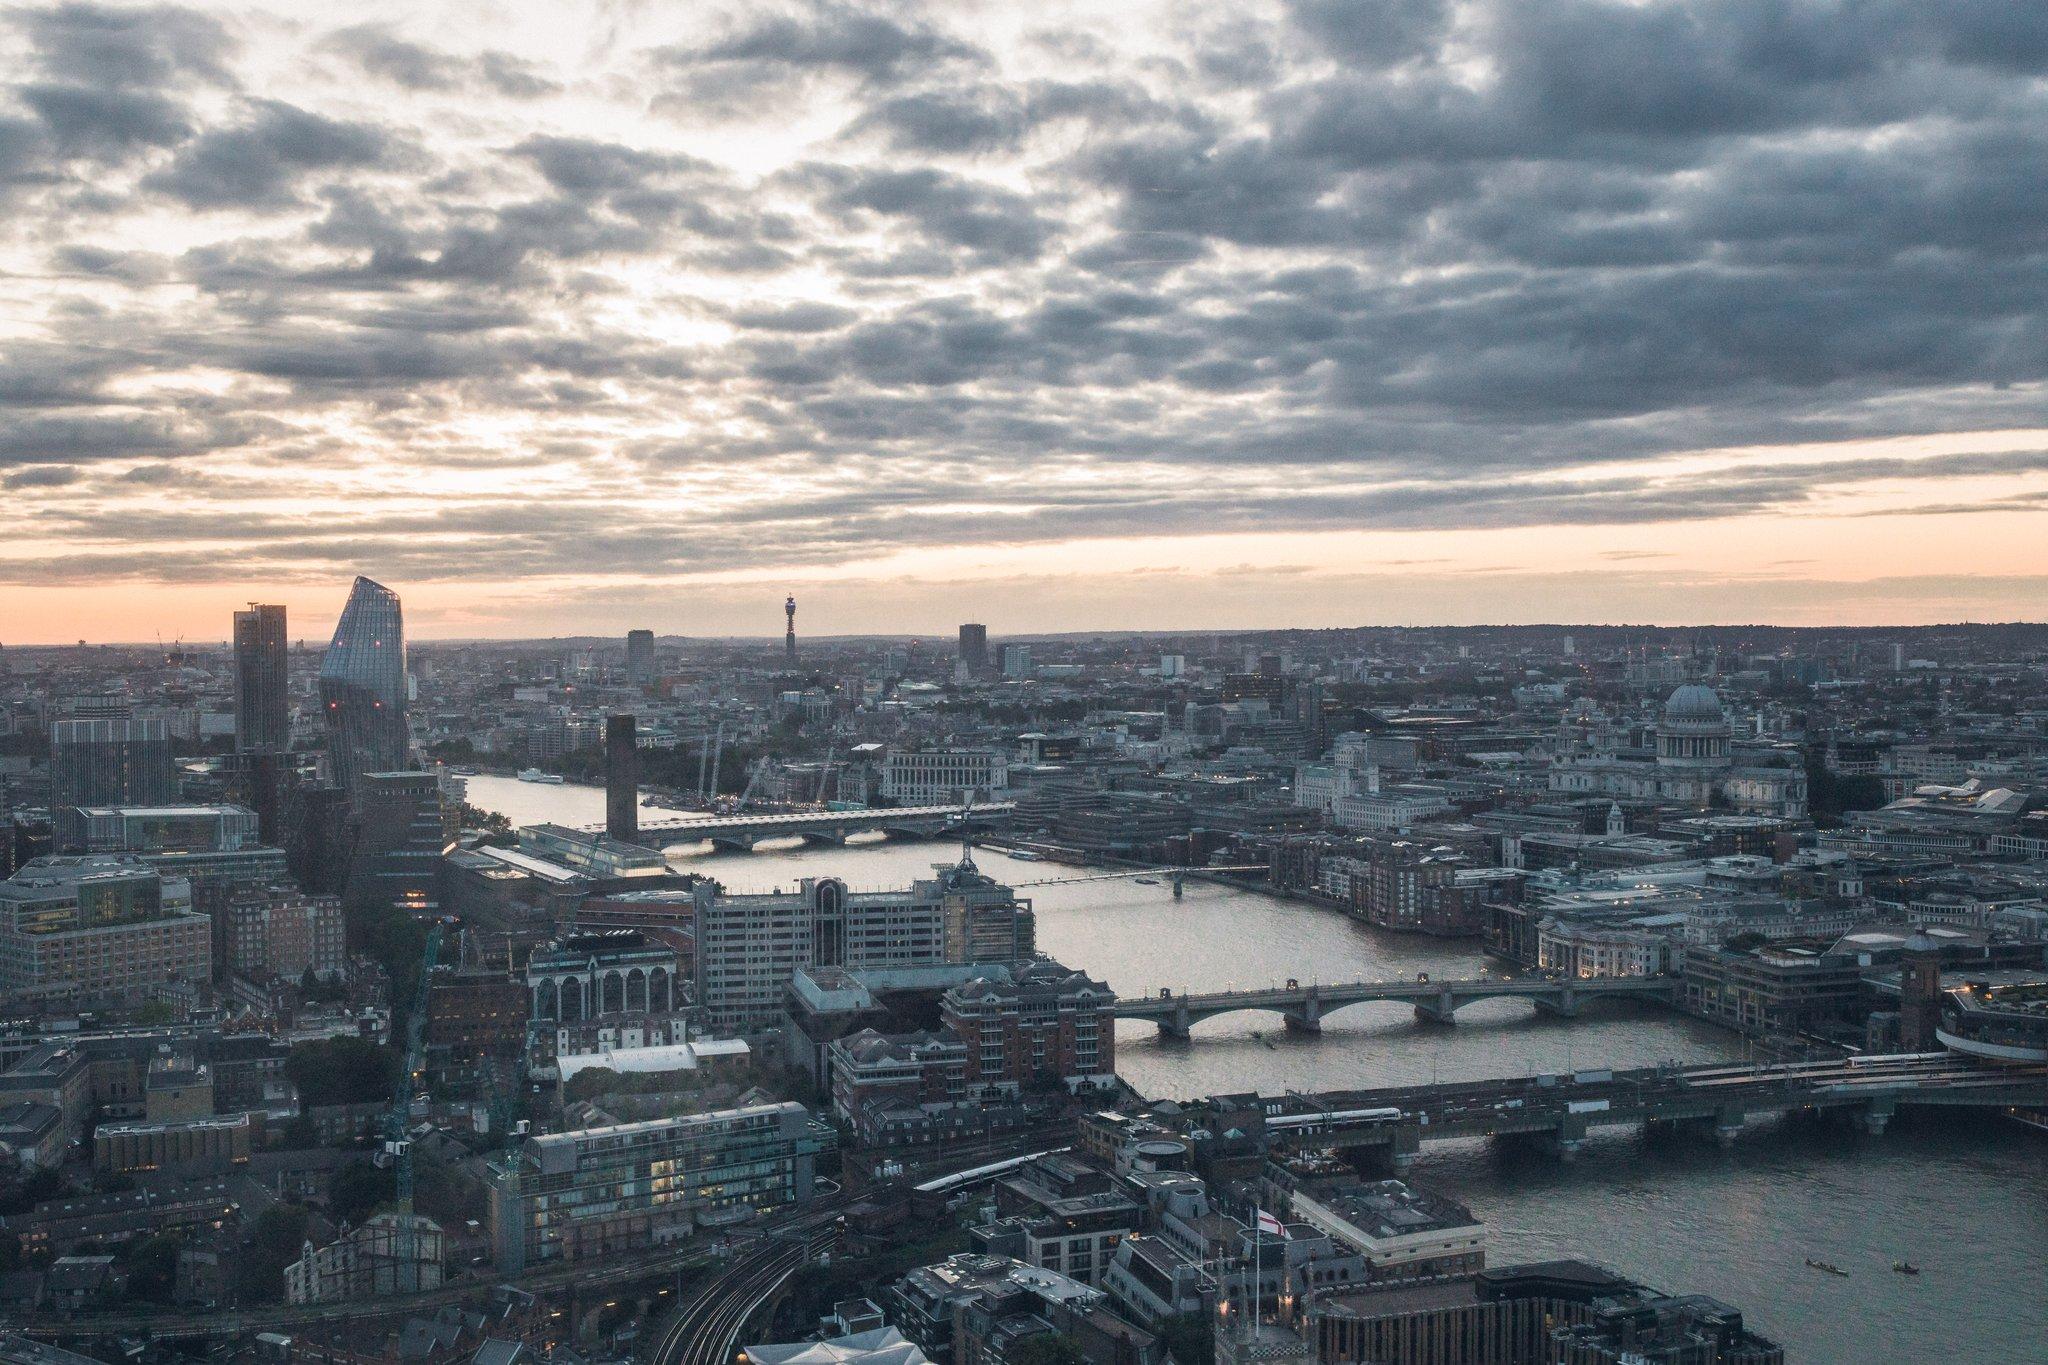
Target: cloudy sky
567, 316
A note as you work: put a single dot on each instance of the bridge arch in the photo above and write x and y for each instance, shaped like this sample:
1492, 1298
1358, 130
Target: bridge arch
1305, 1008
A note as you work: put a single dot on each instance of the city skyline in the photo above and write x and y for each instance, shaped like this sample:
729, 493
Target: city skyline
1418, 733
579, 317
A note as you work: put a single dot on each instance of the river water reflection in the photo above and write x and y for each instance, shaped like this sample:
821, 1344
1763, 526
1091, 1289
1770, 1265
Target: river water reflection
1966, 1199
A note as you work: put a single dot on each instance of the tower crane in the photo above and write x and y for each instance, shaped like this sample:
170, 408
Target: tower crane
397, 1139
717, 756
760, 766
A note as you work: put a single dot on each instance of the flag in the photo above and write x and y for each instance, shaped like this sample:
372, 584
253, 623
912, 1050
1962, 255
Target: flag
1271, 1226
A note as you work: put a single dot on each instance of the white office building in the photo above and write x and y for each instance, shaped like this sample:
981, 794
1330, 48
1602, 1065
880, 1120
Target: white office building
942, 776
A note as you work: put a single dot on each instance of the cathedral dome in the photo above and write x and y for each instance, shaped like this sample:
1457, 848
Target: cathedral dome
1694, 731
1694, 702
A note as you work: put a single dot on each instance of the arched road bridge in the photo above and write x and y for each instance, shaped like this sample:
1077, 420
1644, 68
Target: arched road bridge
1303, 1007
824, 826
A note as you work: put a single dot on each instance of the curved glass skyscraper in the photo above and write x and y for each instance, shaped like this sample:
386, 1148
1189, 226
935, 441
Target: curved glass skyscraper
362, 686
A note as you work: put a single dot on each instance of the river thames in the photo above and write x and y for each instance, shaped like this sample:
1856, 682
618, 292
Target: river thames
1966, 1199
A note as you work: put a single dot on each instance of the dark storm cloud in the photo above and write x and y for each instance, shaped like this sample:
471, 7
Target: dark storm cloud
821, 35
60, 439
964, 119
993, 225
259, 163
771, 53
415, 66
381, 52
87, 121
43, 476
1312, 273
128, 46
1372, 32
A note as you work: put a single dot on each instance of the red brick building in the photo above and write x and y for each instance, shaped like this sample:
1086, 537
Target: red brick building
1035, 1027
879, 1080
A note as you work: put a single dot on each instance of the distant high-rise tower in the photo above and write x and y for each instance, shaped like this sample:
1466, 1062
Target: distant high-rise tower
621, 779
362, 686
110, 762
974, 648
789, 640
263, 716
262, 705
640, 657
402, 826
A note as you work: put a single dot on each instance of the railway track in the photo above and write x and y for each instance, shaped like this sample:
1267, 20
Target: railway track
707, 1327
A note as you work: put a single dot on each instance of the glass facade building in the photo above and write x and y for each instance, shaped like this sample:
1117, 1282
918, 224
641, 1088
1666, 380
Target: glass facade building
595, 1192
262, 703
111, 763
401, 830
362, 686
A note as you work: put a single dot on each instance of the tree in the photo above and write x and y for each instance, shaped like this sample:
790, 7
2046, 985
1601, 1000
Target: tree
31, 1190
1047, 1348
357, 1189
341, 1071
275, 1240
311, 987
298, 1133
495, 827
1190, 1338
398, 942
153, 1269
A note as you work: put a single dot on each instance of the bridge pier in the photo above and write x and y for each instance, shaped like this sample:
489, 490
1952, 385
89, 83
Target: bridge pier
1438, 1009
1406, 1147
1179, 1025
836, 837
1307, 1019
1728, 1125
738, 843
1878, 1116
1568, 1139
1564, 1006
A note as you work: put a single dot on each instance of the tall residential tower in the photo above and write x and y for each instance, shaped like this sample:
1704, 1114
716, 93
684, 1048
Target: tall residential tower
640, 657
262, 704
974, 649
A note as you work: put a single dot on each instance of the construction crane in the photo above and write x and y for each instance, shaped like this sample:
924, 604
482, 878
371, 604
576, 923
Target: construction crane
760, 766
717, 757
397, 1137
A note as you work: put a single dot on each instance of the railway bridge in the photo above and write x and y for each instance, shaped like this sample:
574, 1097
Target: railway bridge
1562, 1110
1303, 1007
825, 826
